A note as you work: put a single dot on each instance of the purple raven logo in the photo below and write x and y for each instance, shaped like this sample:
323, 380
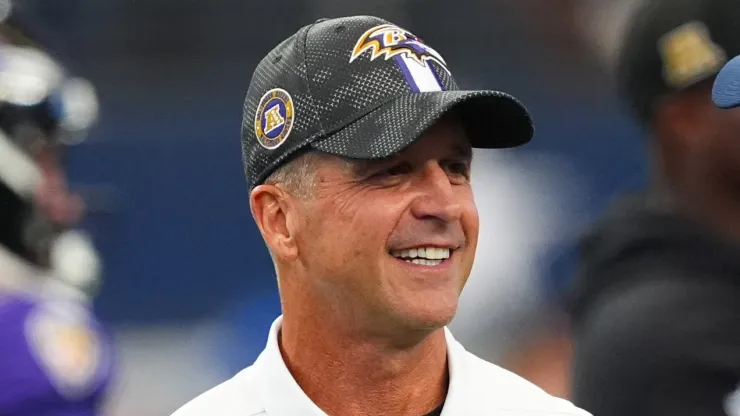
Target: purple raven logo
389, 41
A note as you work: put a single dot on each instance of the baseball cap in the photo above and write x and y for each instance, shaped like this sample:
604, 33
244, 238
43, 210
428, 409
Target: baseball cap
673, 45
726, 89
363, 88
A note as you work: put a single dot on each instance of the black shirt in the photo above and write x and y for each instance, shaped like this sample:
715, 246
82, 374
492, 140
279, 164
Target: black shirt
656, 312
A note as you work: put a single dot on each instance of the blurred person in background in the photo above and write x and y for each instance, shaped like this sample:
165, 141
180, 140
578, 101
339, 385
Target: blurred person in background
55, 358
357, 146
656, 304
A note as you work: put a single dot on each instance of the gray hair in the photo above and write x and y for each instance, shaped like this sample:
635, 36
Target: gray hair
299, 175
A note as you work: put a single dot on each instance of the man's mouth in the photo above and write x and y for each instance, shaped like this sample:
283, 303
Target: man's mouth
425, 256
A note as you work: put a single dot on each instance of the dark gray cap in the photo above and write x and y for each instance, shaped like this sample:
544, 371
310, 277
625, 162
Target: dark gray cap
363, 88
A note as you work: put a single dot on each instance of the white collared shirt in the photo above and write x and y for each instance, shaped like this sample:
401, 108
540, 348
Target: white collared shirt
477, 387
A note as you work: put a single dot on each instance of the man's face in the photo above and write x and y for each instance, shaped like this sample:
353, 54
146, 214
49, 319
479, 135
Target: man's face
392, 242
702, 140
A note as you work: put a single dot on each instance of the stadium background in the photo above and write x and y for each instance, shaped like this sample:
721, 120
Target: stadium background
189, 287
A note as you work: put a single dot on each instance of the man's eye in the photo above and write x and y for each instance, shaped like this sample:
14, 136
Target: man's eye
458, 168
400, 169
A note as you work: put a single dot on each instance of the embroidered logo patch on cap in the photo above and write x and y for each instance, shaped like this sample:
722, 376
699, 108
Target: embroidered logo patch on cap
274, 118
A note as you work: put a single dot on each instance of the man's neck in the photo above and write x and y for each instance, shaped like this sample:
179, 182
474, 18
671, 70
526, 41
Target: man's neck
345, 375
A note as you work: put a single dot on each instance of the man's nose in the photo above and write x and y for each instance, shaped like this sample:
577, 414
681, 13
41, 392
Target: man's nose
437, 196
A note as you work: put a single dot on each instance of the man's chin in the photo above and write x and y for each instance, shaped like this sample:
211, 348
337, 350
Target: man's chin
416, 315
430, 317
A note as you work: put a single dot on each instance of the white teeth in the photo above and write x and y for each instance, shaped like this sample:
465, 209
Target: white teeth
429, 253
425, 262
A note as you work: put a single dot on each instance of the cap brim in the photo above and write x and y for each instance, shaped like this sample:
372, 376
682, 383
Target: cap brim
492, 120
726, 89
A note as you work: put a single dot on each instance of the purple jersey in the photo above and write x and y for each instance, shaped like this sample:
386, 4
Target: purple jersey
55, 358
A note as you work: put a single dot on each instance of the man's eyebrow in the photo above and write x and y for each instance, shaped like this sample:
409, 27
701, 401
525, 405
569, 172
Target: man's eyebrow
360, 167
465, 152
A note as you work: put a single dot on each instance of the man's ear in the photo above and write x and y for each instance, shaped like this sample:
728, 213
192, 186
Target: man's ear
273, 210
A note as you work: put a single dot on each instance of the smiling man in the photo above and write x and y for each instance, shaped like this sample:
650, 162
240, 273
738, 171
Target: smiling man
357, 145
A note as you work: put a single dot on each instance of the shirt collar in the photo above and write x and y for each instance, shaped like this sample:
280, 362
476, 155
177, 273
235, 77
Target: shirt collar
283, 396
